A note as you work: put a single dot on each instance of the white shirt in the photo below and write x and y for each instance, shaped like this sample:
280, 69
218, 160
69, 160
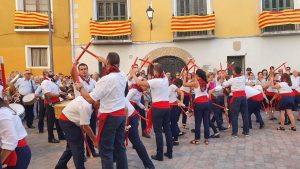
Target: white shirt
135, 96
79, 111
1, 89
251, 91
173, 93
110, 91
237, 83
129, 107
24, 86
218, 91
49, 87
295, 82
8, 133
284, 88
199, 93
159, 89
87, 86
186, 89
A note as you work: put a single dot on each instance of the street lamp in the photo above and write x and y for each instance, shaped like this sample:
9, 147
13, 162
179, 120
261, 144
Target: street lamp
150, 12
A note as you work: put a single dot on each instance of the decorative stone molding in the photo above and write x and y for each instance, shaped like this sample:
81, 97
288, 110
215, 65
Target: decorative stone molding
169, 51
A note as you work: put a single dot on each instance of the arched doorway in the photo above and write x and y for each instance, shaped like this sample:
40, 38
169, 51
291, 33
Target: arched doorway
170, 64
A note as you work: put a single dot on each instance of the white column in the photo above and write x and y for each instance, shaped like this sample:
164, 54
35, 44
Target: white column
128, 9
94, 3
209, 7
175, 7
296, 4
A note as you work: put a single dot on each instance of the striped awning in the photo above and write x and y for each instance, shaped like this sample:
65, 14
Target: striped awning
193, 23
30, 19
110, 28
268, 18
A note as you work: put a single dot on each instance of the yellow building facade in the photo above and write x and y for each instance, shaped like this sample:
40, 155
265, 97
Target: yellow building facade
28, 47
236, 37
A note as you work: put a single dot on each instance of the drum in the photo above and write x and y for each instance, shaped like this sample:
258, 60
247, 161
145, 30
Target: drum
29, 99
19, 109
59, 107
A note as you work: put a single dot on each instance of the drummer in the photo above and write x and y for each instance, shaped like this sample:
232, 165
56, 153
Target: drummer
24, 87
88, 84
51, 93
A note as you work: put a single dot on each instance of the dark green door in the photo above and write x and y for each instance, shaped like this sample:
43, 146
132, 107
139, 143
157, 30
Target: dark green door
170, 64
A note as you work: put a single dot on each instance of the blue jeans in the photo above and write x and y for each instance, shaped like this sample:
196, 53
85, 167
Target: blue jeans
175, 114
134, 138
202, 112
239, 105
24, 156
112, 141
75, 146
161, 121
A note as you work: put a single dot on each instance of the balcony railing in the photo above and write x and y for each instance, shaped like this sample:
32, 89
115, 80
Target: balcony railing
281, 30
33, 28
193, 35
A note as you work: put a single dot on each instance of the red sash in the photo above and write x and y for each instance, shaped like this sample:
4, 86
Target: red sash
159, 105
63, 117
270, 93
236, 94
174, 104
103, 117
201, 99
258, 97
52, 100
11, 160
286, 94
186, 94
296, 93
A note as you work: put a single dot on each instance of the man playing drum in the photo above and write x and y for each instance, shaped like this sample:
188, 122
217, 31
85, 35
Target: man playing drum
25, 87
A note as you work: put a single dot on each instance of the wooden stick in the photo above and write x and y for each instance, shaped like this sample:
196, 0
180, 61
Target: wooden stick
222, 107
86, 47
86, 144
89, 52
279, 66
3, 73
146, 61
143, 64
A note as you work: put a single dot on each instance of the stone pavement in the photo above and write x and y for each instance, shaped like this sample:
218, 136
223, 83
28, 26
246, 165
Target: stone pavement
266, 148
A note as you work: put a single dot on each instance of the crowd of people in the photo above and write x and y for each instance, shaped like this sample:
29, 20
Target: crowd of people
117, 102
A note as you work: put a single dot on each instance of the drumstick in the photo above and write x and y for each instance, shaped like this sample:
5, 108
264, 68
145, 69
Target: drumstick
86, 47
87, 145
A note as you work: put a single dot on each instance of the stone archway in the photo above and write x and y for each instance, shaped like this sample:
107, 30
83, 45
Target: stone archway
169, 51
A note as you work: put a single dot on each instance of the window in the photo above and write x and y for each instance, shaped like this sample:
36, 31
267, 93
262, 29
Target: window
36, 5
191, 7
278, 5
37, 56
108, 10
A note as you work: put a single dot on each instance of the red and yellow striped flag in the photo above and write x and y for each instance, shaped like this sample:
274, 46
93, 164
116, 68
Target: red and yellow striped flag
268, 18
30, 19
193, 23
110, 28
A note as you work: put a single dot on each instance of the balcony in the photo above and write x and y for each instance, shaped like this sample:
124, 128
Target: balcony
179, 36
111, 32
281, 30
34, 28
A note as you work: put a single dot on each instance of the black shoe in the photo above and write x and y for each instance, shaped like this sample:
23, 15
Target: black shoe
175, 143
222, 128
181, 133
41, 131
170, 156
154, 157
94, 155
293, 128
216, 135
246, 133
53, 141
193, 130
146, 135
261, 126
62, 138
234, 135
31, 127
281, 128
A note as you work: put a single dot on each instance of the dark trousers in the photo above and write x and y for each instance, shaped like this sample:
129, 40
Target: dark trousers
161, 121
75, 146
41, 114
24, 157
175, 114
229, 111
239, 105
50, 123
134, 138
202, 112
29, 114
186, 102
112, 142
254, 107
218, 112
212, 125
142, 113
93, 124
